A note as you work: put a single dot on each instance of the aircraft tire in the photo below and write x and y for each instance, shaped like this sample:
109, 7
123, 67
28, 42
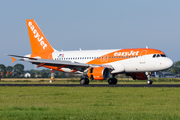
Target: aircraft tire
149, 82
112, 81
84, 81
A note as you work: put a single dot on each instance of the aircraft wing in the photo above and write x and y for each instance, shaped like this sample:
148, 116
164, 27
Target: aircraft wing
56, 63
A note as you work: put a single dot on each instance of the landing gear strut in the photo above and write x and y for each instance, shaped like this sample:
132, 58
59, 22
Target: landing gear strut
149, 82
84, 81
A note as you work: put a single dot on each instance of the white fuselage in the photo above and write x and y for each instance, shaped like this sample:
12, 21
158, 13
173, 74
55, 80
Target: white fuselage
135, 63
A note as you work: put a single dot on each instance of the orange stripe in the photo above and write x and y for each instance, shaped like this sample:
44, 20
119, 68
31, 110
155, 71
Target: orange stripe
54, 68
125, 53
41, 64
74, 70
61, 67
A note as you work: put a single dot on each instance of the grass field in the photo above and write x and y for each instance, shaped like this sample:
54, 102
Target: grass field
39, 103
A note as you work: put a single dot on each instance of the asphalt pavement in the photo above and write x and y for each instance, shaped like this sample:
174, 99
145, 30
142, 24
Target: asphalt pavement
91, 85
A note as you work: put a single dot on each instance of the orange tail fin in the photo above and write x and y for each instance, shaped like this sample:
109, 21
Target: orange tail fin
39, 43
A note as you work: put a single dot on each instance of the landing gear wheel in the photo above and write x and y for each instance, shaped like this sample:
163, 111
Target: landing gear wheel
84, 81
112, 81
149, 82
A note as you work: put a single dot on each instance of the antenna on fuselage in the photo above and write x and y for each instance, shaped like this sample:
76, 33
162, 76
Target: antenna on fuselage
146, 47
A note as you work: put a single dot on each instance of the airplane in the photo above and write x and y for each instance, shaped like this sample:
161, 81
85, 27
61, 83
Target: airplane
94, 64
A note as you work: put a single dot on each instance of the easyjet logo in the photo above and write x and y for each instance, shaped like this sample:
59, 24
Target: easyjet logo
132, 53
37, 35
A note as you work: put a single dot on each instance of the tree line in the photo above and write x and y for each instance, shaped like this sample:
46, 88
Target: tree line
176, 68
17, 71
9, 71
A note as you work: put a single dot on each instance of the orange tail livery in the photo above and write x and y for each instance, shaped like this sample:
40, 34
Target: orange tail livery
39, 44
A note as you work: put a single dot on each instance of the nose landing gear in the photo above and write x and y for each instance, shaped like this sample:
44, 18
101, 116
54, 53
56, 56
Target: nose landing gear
149, 82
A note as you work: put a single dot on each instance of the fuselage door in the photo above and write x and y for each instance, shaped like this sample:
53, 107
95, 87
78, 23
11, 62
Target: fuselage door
142, 58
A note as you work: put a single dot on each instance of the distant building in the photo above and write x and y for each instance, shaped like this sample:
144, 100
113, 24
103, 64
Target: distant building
163, 75
27, 75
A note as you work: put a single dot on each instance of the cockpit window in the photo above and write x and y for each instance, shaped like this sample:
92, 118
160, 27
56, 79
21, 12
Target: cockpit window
162, 55
159, 55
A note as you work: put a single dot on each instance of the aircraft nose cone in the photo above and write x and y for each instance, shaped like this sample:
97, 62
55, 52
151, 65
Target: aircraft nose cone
169, 63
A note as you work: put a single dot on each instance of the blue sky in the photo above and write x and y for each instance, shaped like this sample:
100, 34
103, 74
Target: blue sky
93, 24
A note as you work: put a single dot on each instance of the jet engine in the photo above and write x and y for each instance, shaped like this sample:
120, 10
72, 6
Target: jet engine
98, 73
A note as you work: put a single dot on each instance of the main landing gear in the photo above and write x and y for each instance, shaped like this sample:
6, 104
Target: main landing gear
112, 81
84, 81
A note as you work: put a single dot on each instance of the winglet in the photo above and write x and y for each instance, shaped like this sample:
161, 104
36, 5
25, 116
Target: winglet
13, 59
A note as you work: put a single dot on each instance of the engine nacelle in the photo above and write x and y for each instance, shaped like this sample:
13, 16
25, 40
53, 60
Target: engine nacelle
138, 76
98, 73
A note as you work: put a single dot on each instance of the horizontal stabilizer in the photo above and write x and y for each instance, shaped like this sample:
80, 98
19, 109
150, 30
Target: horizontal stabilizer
21, 57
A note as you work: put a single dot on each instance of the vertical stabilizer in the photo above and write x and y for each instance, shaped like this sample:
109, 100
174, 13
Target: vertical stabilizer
39, 43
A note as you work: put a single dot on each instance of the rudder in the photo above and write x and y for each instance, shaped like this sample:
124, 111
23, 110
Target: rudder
39, 43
